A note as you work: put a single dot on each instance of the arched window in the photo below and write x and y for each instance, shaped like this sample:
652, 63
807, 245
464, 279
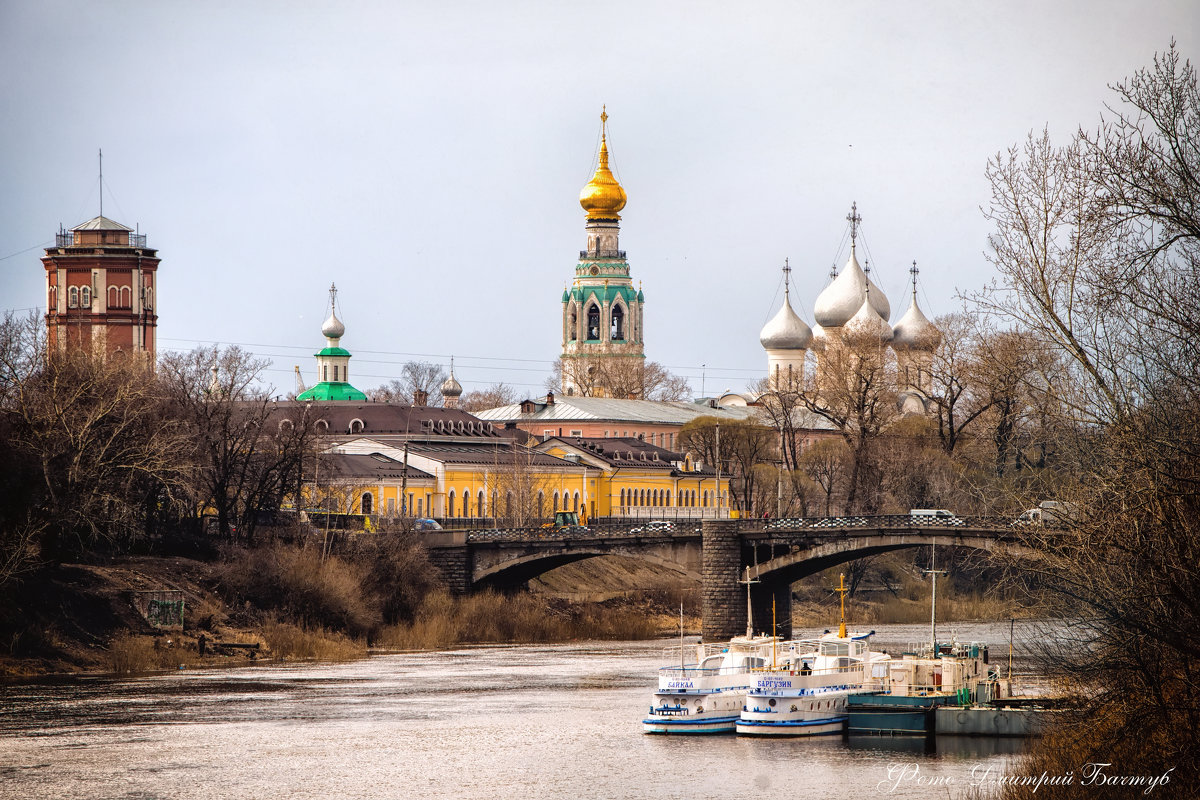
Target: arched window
367, 503
622, 498
356, 426
555, 508
466, 498
73, 297
508, 503
704, 499
541, 505
114, 297
618, 322
126, 296
593, 323
85, 297
148, 298
575, 502
322, 425
572, 325
480, 508
450, 504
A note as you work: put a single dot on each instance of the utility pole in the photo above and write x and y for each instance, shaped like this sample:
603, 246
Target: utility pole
719, 471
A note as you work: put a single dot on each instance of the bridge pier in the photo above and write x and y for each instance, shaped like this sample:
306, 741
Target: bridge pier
772, 600
451, 556
723, 599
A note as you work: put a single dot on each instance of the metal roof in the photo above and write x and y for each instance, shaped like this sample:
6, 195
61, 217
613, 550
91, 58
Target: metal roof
607, 409
100, 224
373, 465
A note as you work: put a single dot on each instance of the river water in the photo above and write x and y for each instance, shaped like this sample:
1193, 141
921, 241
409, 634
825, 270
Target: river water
554, 721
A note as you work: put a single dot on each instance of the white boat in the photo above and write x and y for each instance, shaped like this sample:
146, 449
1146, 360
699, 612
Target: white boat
803, 693
707, 694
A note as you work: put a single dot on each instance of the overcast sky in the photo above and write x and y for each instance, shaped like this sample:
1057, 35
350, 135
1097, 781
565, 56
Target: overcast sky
428, 158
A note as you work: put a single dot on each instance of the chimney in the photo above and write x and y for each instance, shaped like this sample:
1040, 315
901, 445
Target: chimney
549, 398
420, 397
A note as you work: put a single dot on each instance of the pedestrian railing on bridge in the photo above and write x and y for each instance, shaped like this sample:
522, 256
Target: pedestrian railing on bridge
814, 526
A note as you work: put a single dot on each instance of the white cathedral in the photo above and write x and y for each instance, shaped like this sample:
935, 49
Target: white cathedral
852, 310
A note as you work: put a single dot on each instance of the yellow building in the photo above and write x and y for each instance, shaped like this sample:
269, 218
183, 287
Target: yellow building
639, 479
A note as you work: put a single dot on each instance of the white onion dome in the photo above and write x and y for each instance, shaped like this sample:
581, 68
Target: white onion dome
841, 299
785, 330
451, 387
820, 339
914, 331
867, 326
333, 327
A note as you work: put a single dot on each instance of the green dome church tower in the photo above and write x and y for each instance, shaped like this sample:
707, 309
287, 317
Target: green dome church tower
333, 361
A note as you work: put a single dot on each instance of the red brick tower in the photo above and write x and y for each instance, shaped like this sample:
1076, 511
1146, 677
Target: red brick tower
100, 289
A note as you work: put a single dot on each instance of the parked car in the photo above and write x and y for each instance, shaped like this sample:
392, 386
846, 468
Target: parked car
422, 525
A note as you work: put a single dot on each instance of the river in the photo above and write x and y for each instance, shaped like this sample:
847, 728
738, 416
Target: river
497, 722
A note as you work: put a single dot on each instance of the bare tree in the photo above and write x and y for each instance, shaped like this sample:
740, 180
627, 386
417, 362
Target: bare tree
95, 455
956, 395
629, 378
494, 396
247, 455
825, 464
1097, 244
415, 376
856, 392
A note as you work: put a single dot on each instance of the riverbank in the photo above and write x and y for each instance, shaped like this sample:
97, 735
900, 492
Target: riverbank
248, 606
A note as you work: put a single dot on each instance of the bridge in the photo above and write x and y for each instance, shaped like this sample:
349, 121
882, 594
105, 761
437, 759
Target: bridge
768, 555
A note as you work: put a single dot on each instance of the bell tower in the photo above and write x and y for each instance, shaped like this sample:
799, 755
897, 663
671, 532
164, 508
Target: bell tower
603, 351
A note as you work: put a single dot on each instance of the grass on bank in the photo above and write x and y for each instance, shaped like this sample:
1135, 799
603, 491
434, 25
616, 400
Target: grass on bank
488, 617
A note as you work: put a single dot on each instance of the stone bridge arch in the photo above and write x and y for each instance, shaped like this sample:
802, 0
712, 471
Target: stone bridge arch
517, 570
732, 562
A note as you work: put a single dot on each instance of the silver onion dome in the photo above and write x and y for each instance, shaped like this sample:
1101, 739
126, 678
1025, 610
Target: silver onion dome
914, 331
867, 326
333, 328
785, 330
841, 298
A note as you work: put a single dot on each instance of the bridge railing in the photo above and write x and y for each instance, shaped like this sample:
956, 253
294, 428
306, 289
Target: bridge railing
818, 526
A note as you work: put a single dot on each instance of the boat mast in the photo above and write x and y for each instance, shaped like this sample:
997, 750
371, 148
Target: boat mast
933, 601
842, 590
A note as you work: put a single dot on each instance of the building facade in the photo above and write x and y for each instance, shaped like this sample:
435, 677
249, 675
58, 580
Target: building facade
100, 290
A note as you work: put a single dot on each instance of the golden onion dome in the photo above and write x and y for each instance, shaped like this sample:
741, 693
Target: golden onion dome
603, 197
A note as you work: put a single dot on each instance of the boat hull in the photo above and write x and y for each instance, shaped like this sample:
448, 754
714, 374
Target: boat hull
829, 726
894, 715
689, 727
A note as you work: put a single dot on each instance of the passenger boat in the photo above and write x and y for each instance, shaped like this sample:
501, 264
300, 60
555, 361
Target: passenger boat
805, 692
707, 694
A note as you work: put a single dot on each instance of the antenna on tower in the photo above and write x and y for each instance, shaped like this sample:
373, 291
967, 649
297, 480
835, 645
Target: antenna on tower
102, 182
300, 387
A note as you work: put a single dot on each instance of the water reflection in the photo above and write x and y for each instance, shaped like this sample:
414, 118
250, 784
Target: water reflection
558, 721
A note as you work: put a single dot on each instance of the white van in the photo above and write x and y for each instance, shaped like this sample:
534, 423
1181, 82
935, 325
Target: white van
931, 512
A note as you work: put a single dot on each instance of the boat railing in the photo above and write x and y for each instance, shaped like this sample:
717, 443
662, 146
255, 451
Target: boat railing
694, 671
793, 669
